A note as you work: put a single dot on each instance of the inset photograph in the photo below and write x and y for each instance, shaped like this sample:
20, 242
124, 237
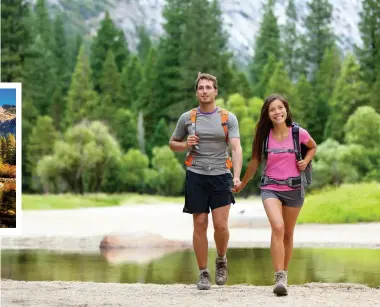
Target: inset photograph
10, 93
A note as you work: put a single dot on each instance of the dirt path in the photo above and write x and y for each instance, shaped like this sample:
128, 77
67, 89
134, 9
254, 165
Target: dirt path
100, 294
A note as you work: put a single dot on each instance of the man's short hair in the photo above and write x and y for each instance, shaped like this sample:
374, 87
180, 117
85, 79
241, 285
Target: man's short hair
206, 77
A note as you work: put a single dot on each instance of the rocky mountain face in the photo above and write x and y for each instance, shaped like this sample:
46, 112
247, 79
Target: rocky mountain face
7, 120
241, 19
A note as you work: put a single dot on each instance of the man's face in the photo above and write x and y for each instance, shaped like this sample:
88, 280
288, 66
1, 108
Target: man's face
206, 92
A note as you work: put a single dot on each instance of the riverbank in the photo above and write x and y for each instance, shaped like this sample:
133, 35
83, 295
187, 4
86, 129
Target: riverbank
83, 229
19, 293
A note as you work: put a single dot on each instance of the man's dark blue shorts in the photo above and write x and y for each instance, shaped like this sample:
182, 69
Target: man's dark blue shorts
205, 192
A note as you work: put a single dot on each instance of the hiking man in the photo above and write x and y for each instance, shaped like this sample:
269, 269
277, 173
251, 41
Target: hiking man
209, 130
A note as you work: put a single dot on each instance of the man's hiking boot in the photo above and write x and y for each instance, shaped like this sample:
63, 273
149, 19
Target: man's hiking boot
281, 283
204, 282
221, 271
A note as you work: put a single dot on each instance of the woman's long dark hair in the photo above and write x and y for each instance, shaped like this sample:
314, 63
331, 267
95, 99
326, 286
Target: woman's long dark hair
265, 124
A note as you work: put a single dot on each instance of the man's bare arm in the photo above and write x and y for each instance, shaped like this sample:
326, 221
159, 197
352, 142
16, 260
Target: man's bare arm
237, 157
179, 146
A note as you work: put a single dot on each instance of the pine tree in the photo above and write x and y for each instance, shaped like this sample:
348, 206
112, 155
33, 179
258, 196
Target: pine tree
318, 36
110, 90
267, 42
29, 117
307, 105
40, 76
144, 43
4, 148
375, 97
110, 79
280, 83
327, 74
108, 37
202, 24
82, 99
168, 62
11, 149
369, 54
62, 65
43, 24
291, 42
129, 83
260, 88
15, 39
349, 93
41, 141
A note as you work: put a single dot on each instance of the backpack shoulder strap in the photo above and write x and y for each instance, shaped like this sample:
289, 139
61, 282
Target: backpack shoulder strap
193, 115
296, 141
224, 114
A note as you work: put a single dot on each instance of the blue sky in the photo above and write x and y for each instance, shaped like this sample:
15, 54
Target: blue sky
7, 96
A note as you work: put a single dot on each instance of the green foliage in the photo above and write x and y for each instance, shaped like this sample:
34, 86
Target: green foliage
125, 126
349, 203
129, 84
280, 83
291, 42
319, 35
39, 76
81, 97
334, 164
195, 55
108, 38
237, 105
15, 38
307, 106
363, 128
169, 177
375, 97
37, 149
349, 93
254, 108
369, 54
80, 159
267, 42
133, 166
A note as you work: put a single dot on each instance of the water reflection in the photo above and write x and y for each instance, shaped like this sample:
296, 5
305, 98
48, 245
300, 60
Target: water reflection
249, 266
7, 208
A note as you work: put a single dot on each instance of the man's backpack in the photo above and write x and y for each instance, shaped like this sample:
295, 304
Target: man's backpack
300, 151
224, 119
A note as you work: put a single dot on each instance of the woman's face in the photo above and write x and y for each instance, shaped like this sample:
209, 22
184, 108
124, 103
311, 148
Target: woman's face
277, 112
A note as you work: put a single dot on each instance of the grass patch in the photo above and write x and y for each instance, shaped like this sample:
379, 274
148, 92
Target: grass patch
349, 203
74, 201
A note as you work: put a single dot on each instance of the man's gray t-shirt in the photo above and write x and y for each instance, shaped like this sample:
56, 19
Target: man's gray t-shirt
210, 158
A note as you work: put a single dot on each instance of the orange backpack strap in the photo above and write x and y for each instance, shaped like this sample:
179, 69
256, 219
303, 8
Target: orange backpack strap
193, 117
224, 114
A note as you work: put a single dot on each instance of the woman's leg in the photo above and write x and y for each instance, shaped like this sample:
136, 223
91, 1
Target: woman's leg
290, 215
273, 209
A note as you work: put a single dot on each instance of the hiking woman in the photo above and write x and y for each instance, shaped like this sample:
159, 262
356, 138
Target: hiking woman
282, 189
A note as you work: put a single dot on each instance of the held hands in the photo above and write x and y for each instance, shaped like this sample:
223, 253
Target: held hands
238, 185
301, 165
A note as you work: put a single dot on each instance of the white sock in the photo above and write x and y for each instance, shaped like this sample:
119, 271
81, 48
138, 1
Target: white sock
222, 257
205, 270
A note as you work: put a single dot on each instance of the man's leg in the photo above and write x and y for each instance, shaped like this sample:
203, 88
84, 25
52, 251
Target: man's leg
221, 237
221, 232
200, 244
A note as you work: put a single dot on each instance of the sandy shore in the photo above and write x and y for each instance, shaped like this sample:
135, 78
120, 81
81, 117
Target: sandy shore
61, 294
